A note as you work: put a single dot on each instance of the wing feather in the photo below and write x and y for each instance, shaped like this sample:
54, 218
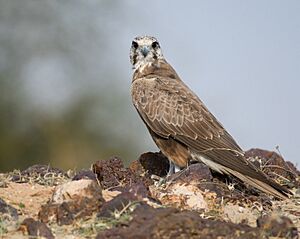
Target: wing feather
171, 110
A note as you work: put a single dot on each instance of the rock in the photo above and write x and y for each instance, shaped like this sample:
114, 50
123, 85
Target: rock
275, 166
196, 188
109, 195
84, 174
148, 222
137, 168
117, 204
111, 173
66, 212
140, 172
181, 196
41, 174
277, 226
137, 193
113, 176
195, 173
154, 163
74, 189
139, 190
8, 212
72, 200
240, 214
297, 193
193, 187
35, 229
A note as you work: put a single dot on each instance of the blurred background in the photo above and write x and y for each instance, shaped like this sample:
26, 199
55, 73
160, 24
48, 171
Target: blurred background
65, 74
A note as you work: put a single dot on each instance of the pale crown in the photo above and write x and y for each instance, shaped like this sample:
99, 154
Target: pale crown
144, 50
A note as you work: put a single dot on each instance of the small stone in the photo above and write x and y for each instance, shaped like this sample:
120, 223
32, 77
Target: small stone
277, 226
109, 195
237, 214
7, 211
139, 190
181, 196
154, 163
72, 200
80, 188
84, 174
194, 173
297, 193
111, 173
35, 229
241, 209
117, 204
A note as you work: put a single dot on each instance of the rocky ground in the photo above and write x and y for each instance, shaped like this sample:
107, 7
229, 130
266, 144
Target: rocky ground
112, 201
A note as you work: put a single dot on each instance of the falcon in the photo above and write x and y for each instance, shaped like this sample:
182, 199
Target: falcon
181, 125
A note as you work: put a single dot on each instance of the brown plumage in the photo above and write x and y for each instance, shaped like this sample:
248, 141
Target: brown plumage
181, 125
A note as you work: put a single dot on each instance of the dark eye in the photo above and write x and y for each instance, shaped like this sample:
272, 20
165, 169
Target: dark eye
135, 45
155, 44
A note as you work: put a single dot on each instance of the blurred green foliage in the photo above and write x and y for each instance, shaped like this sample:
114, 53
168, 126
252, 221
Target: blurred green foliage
61, 102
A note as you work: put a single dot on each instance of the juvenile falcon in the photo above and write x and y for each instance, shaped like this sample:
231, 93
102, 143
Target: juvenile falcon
180, 124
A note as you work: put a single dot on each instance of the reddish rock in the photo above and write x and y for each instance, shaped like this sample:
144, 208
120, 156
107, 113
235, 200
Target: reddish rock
66, 212
154, 163
111, 173
76, 189
157, 223
139, 190
136, 193
35, 229
85, 174
275, 166
277, 226
113, 176
117, 204
193, 173
138, 170
72, 200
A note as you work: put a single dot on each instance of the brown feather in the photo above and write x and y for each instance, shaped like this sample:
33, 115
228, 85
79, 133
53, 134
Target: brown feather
172, 112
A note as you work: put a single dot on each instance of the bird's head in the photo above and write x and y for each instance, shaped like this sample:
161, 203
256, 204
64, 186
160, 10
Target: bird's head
144, 50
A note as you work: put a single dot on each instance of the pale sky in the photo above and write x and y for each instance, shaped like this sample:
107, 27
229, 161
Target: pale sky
242, 58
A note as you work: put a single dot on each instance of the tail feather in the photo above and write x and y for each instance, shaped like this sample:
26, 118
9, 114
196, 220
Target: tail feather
250, 175
269, 186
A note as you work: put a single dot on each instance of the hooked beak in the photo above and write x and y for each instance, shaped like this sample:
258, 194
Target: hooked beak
145, 50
